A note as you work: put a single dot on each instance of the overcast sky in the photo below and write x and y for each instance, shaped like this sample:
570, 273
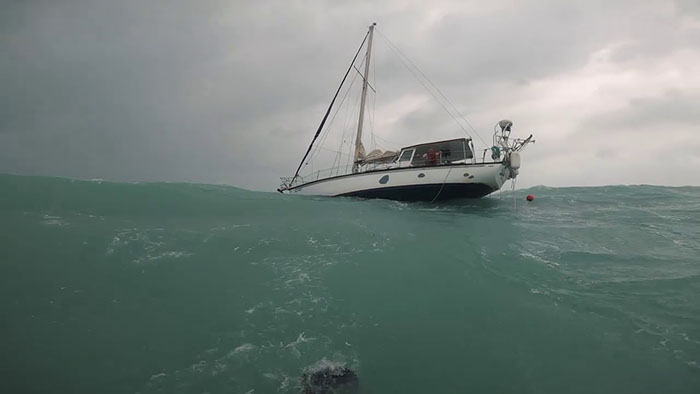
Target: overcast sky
232, 92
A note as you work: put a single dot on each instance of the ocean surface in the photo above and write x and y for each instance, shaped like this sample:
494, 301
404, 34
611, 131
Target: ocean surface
185, 288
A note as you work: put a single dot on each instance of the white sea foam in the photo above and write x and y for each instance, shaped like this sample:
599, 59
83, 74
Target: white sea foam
244, 348
173, 254
54, 221
219, 367
531, 256
293, 346
158, 376
198, 366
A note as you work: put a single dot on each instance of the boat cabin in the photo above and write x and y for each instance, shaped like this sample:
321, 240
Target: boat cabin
436, 153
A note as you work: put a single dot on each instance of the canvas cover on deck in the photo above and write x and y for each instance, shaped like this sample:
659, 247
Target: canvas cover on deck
376, 156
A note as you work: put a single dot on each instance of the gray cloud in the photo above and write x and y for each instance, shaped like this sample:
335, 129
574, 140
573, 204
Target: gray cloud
232, 92
688, 7
652, 114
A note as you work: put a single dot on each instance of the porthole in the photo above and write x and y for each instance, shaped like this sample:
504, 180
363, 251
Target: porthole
421, 175
466, 174
384, 179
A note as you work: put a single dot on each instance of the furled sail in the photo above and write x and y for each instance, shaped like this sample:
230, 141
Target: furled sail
376, 156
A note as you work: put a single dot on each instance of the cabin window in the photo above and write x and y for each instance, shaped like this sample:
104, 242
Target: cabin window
406, 155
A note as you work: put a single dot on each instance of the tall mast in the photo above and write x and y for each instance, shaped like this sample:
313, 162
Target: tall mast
358, 139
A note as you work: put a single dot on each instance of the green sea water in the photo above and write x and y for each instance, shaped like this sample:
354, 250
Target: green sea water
185, 288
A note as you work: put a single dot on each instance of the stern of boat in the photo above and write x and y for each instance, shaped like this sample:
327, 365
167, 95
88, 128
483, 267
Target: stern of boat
508, 150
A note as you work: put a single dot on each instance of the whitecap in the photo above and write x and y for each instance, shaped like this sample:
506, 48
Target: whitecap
158, 376
198, 367
244, 348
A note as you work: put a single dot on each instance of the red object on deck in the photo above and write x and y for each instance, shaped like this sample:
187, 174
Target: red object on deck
530, 197
431, 157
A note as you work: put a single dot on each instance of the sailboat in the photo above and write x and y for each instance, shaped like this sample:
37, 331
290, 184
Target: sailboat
431, 171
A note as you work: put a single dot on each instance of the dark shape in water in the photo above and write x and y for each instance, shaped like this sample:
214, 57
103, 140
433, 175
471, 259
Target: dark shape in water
329, 379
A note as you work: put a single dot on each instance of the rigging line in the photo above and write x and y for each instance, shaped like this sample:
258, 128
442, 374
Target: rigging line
337, 158
370, 116
443, 185
406, 62
374, 103
373, 143
434, 96
330, 124
391, 143
447, 99
437, 99
320, 127
335, 151
347, 163
353, 115
326, 133
327, 130
433, 85
376, 138
349, 114
350, 145
371, 112
342, 139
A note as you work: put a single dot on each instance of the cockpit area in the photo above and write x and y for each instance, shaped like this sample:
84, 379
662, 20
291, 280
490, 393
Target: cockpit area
436, 153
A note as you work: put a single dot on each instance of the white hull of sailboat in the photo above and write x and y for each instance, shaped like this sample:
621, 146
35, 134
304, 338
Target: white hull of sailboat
428, 183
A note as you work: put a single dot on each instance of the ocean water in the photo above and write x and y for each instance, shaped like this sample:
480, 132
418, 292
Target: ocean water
185, 288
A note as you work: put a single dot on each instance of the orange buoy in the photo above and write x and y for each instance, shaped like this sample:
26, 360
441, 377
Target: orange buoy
530, 197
